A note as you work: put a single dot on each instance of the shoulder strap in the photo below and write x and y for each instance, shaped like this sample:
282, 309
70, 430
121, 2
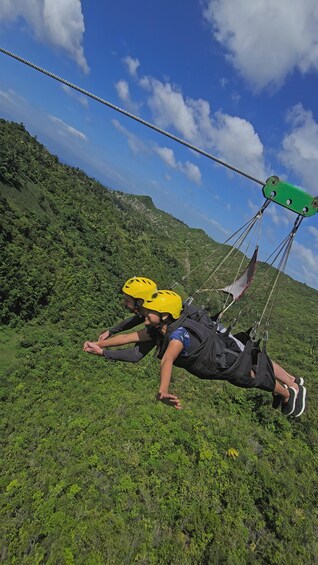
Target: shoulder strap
200, 331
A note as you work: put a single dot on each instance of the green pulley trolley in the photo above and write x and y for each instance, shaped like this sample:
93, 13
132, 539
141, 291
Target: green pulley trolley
291, 197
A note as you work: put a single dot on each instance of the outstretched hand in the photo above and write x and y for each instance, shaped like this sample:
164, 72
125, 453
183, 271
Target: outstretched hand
91, 347
169, 399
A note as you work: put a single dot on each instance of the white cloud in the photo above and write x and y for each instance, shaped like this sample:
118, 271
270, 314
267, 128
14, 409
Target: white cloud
193, 172
123, 90
300, 147
60, 138
266, 40
56, 22
314, 232
11, 97
132, 65
307, 263
169, 108
253, 207
237, 141
145, 82
189, 169
276, 215
224, 82
279, 216
135, 144
232, 138
67, 129
236, 97
79, 97
167, 155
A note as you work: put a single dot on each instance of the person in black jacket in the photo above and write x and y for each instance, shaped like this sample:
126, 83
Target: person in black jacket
135, 291
206, 353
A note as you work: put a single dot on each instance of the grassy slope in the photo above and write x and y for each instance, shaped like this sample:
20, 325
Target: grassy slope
96, 471
9, 343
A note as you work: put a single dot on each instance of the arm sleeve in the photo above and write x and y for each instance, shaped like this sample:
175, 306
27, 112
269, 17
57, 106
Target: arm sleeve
132, 355
127, 324
181, 334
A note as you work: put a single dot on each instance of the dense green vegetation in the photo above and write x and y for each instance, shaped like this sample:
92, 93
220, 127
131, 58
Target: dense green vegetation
94, 470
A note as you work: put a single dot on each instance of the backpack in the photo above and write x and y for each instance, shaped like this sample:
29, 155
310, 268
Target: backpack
215, 353
219, 357
198, 314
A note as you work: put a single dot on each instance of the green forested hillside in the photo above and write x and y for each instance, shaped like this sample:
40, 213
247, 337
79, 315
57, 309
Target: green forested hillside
95, 470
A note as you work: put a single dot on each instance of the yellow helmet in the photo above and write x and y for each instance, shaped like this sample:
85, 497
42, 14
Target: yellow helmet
139, 287
165, 301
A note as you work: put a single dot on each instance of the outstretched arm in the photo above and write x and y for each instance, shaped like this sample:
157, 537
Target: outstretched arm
124, 339
173, 351
131, 355
123, 326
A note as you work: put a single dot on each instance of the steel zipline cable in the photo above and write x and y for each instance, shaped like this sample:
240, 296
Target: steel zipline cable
133, 116
285, 247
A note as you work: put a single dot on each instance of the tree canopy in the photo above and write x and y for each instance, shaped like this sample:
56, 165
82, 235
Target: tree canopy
95, 470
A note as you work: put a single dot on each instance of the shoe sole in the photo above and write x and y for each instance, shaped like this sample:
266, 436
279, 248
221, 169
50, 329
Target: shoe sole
303, 405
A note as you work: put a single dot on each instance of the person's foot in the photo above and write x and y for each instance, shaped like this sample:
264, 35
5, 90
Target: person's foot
299, 381
300, 402
288, 407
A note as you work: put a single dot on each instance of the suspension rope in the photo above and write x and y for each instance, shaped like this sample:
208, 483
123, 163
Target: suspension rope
277, 252
240, 240
278, 249
207, 259
230, 300
250, 223
281, 267
130, 115
259, 216
226, 304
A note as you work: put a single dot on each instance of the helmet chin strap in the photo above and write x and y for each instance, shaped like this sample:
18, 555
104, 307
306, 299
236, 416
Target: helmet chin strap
163, 322
138, 302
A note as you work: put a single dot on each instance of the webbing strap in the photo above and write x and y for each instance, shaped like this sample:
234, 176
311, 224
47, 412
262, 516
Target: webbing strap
281, 268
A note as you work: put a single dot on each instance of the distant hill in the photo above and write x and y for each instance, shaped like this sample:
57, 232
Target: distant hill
59, 225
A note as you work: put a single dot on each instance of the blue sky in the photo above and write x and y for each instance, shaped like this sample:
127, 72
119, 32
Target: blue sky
237, 78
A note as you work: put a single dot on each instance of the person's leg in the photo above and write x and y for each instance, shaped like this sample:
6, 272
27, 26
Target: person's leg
284, 377
287, 393
282, 391
292, 400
